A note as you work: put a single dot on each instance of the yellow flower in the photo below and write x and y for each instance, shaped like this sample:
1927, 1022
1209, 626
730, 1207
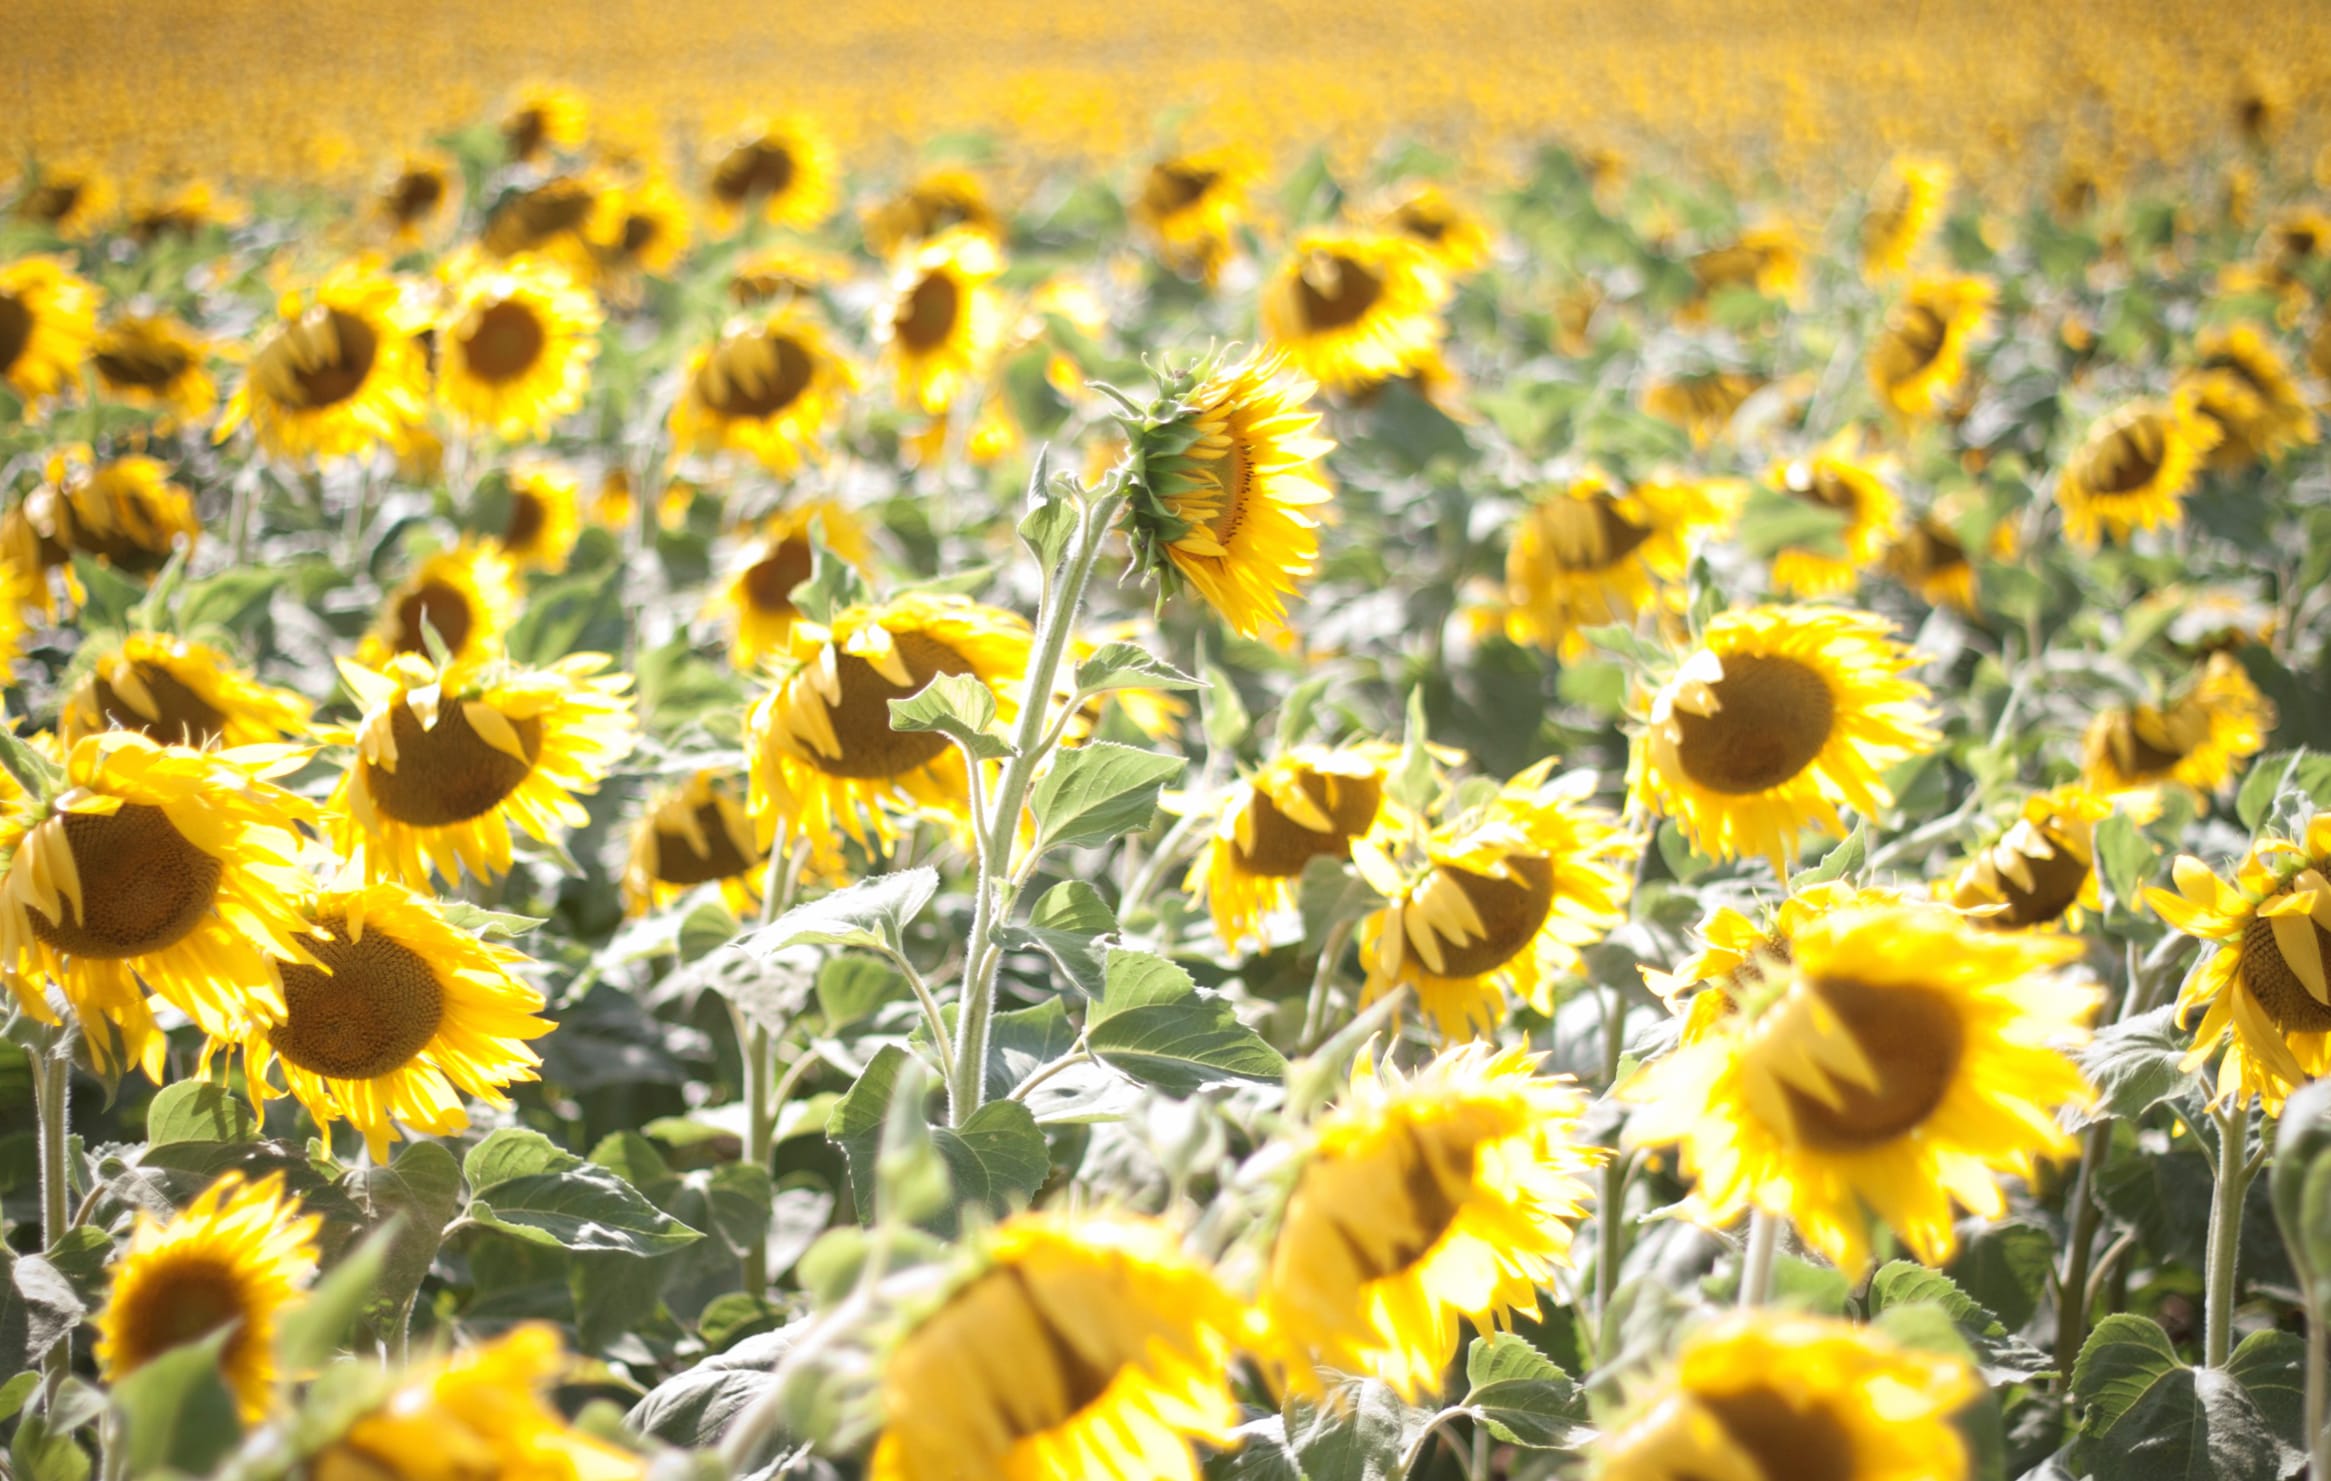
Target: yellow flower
1082, 1347
48, 316
940, 200
2133, 468
1738, 952
1308, 803
127, 513
1768, 259
342, 374
545, 516
419, 195
1191, 204
175, 692
155, 362
786, 270
1422, 1199
548, 220
640, 227
2243, 385
694, 834
1930, 558
1782, 1396
760, 596
2041, 871
1905, 1061
545, 117
1906, 205
1777, 717
69, 198
2194, 742
181, 210
449, 759
1350, 309
1587, 554
784, 169
944, 321
770, 387
1702, 404
468, 594
1451, 231
236, 1256
1496, 902
515, 346
1920, 358
1867, 511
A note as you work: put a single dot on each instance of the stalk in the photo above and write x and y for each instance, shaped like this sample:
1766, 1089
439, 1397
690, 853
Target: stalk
2072, 1286
1756, 1269
2233, 1180
52, 1071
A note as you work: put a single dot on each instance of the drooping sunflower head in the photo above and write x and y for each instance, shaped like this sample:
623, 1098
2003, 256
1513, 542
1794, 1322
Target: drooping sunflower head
1352, 309
769, 386
235, 1257
1421, 1199
68, 197
467, 595
1906, 205
783, 168
640, 226
156, 362
1308, 803
1079, 1346
2042, 871
341, 375
551, 219
1739, 954
2195, 741
1494, 903
1930, 556
697, 833
760, 597
126, 512
1190, 204
1453, 232
937, 201
449, 760
1768, 258
2242, 383
545, 117
181, 209
418, 195
2133, 468
48, 316
515, 345
546, 515
1224, 491
784, 271
176, 692
1588, 553
1702, 402
1785, 1396
1866, 509
1920, 358
944, 320
1779, 716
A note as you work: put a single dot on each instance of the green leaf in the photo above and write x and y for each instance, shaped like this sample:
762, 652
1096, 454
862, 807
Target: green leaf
177, 1409
524, 1185
42, 1452
2146, 1414
1358, 1434
958, 706
34, 772
2271, 1366
313, 1330
1676, 852
1098, 792
500, 925
1522, 1395
851, 987
1129, 666
2135, 1064
1222, 714
2007, 1266
2301, 1185
998, 1157
1071, 924
109, 595
1773, 521
2123, 1357
833, 583
1155, 1025
1840, 862
416, 1197
2125, 859
1051, 520
199, 1111
1412, 783
870, 913
38, 1309
2005, 1357
1331, 892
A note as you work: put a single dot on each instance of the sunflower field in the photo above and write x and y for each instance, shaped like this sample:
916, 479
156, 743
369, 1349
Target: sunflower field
1411, 762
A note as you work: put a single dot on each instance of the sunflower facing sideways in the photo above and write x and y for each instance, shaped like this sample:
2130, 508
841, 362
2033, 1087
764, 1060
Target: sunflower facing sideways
2133, 469
2042, 870
1867, 511
760, 597
2243, 385
1587, 553
1190, 205
1452, 232
449, 760
694, 834
1077, 1347
1775, 719
1308, 803
155, 362
417, 196
936, 202
1738, 951
944, 320
547, 220
1903, 209
770, 386
126, 512
2195, 741
176, 692
781, 169
545, 518
1354, 309
640, 226
1421, 1199
68, 197
48, 316
236, 1257
515, 346
342, 374
467, 595
543, 118
1904, 1060
1919, 360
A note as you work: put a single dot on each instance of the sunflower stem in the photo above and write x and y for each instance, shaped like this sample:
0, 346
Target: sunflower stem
1756, 1266
2318, 1391
2072, 1286
52, 1070
1331, 953
2234, 1172
759, 1055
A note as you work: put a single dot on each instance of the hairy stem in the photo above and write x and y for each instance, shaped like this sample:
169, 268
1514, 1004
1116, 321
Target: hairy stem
2233, 1180
2072, 1285
52, 1091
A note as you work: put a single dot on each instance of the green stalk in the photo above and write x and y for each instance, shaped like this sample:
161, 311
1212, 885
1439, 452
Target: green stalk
2072, 1286
758, 1053
2318, 1381
1756, 1266
52, 1072
2233, 1181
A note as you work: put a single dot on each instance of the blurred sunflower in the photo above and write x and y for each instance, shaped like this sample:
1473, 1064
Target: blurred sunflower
1421, 1199
162, 865
1191, 204
125, 512
157, 363
1225, 492
694, 834
2133, 468
2042, 870
944, 320
1783, 1396
825, 761
1777, 717
2196, 741
760, 596
68, 198
447, 760
176, 692
1308, 803
938, 201
182, 209
545, 117
1932, 560
545, 516
48, 316
1452, 232
235, 1257
1350, 309
515, 346
784, 271
1867, 516
342, 374
769, 386
1703, 403
1904, 208
641, 226
2242, 383
1495, 903
1586, 554
547, 220
418, 197
1905, 1060
467, 594
782, 169
1738, 952
1081, 1346
1768, 259
1920, 358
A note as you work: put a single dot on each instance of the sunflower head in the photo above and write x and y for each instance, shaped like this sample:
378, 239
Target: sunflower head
1920, 358
770, 386
542, 118
1588, 553
466, 595
182, 209
1767, 259
760, 597
2242, 383
545, 516
48, 317
550, 219
174, 691
938, 201
2133, 468
70, 198
2041, 871
1930, 556
944, 321
1307, 803
695, 834
1742, 958
782, 169
126, 512
515, 345
1701, 402
341, 375
2195, 741
1190, 204
1904, 208
1452, 231
155, 362
787, 270
641, 226
1353, 309
417, 196
1855, 491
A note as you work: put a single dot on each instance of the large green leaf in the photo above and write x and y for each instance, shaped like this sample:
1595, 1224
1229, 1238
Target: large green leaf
2005, 1357
998, 1158
199, 1111
1069, 925
417, 1195
522, 1184
872, 912
177, 1410
38, 1309
2147, 1414
1097, 792
1155, 1025
2135, 1064
1522, 1395
958, 706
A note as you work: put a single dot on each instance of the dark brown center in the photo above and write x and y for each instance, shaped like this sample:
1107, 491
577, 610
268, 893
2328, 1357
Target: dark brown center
1776, 715
927, 317
527, 222
1172, 188
759, 168
142, 362
449, 773
185, 718
1335, 292
2278, 989
1787, 1442
754, 376
51, 203
769, 581
319, 361
871, 750
505, 343
1511, 912
144, 887
183, 1300
528, 516
373, 1005
1589, 535
2057, 881
15, 329
443, 607
415, 194
679, 862
2126, 461
1913, 1041
1283, 846
1914, 339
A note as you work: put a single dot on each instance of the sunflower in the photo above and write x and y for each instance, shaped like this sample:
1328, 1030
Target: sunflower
1451, 231
786, 270
641, 226
1903, 209
944, 320
1738, 951
1586, 554
1905, 1060
2197, 741
761, 594
419, 195
1867, 515
1768, 259
769, 386
1350, 309
1703, 403
342, 375
68, 198
939, 201
543, 118
236, 1257
1224, 488
1080, 1346
2133, 468
2242, 384
162, 865
1421, 1199
183, 210
155, 362
1308, 803
448, 759
1777, 716
478, 1413
1785, 1396
48, 316
1931, 559
825, 761
545, 516
176, 692
1191, 204
782, 169
1495, 903
2042, 870
126, 512
694, 834
1920, 357
515, 346
468, 594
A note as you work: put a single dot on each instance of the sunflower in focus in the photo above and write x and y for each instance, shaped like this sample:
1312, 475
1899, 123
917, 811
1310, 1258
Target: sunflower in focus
1739, 951
550, 220
175, 692
769, 386
2042, 870
1079, 1347
641, 226
1904, 208
417, 197
1351, 309
1867, 514
694, 834
783, 169
944, 321
1451, 231
1308, 803
1225, 493
1703, 403
1421, 1199
545, 516
1905, 1060
939, 201
545, 118
467, 595
1587, 553
1191, 204
1775, 719
342, 374
1783, 1396
68, 198
449, 760
2241, 383
2133, 469
125, 512
2196, 741
157, 363
1920, 358
236, 1257
760, 597
515, 346
158, 865
48, 316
